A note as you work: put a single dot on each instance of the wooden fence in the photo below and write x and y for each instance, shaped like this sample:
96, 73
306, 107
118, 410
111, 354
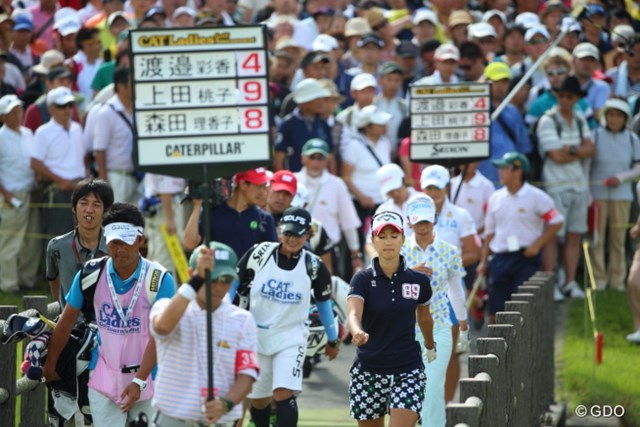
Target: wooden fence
511, 379
32, 403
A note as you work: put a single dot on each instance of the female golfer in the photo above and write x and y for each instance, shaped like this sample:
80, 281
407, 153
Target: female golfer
384, 302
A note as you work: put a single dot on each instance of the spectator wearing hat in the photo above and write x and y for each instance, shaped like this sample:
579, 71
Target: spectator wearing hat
619, 36
573, 33
457, 28
625, 78
330, 203
16, 182
111, 22
183, 17
282, 190
37, 85
446, 60
395, 193
551, 13
617, 161
520, 220
21, 42
57, 155
370, 48
564, 142
472, 62
337, 72
380, 26
388, 101
407, 59
513, 44
314, 65
43, 19
237, 222
280, 280
362, 156
354, 29
177, 325
38, 112
485, 35
508, 131
65, 32
425, 26
594, 21
537, 40
363, 91
586, 61
301, 125
498, 20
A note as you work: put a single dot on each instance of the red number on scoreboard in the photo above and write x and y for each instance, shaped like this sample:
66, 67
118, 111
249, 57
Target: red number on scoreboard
252, 62
252, 91
253, 118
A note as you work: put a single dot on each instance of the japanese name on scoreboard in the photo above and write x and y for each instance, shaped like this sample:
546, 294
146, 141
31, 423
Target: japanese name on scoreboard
200, 95
450, 122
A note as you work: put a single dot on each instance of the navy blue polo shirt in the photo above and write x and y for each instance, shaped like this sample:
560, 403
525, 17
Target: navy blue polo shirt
240, 230
389, 317
295, 131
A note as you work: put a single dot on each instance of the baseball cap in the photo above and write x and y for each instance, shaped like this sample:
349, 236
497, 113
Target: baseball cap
447, 51
406, 49
481, 29
390, 67
594, 9
295, 220
225, 260
128, 233
356, 27
371, 38
494, 12
435, 175
314, 58
315, 146
324, 43
386, 219
586, 49
497, 71
551, 5
309, 90
425, 15
513, 158
390, 177
459, 17
257, 176
535, 30
68, 26
184, 10
48, 60
421, 208
8, 103
22, 22
60, 96
284, 180
527, 19
118, 14
362, 81
371, 114
622, 33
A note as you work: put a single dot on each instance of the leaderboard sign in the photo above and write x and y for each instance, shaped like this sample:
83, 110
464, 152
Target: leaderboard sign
450, 123
201, 96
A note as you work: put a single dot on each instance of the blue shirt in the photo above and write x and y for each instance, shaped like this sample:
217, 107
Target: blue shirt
547, 100
295, 131
501, 142
389, 317
240, 230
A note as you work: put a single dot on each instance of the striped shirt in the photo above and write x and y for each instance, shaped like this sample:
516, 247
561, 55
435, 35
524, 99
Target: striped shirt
182, 358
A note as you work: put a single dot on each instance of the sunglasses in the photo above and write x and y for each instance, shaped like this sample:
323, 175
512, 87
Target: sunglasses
557, 72
67, 105
289, 234
225, 280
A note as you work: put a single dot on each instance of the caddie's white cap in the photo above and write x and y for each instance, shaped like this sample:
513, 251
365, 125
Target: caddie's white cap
434, 175
128, 233
421, 208
390, 177
384, 219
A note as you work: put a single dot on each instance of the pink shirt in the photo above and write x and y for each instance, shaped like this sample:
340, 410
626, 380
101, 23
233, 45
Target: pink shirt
39, 19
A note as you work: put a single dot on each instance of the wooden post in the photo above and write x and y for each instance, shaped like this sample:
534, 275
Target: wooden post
8, 372
467, 413
32, 407
527, 354
508, 333
492, 359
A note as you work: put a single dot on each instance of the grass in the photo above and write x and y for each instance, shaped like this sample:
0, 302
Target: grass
615, 381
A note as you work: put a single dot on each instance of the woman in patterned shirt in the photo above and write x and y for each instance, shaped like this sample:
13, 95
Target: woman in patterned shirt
441, 261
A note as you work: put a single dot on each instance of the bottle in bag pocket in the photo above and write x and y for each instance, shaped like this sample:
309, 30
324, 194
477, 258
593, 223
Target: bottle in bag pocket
16, 203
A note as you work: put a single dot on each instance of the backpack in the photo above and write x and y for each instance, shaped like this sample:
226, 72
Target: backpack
536, 160
258, 259
91, 271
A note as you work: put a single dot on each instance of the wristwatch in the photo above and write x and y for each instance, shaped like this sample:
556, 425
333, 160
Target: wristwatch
573, 150
334, 343
142, 384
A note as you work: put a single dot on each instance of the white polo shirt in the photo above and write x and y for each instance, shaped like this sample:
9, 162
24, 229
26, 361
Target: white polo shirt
113, 136
517, 220
155, 184
330, 203
60, 150
473, 196
454, 224
365, 164
15, 159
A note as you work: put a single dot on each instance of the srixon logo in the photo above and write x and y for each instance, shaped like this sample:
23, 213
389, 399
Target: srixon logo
279, 291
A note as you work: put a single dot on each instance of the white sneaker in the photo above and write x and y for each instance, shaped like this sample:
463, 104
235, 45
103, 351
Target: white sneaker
557, 295
573, 290
634, 337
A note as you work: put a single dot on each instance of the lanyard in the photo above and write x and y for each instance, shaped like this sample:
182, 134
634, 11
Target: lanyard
136, 292
76, 253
